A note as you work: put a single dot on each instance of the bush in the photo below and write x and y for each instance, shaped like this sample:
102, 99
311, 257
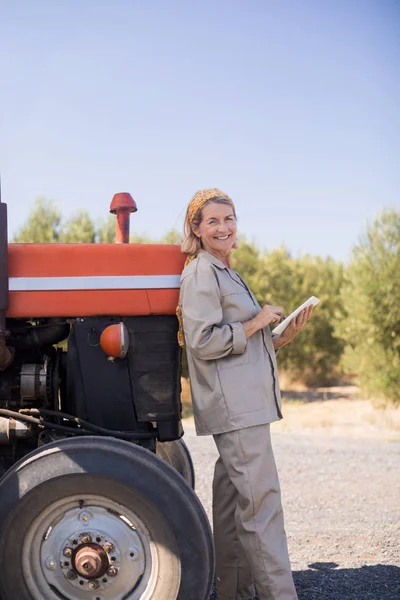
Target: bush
279, 279
371, 299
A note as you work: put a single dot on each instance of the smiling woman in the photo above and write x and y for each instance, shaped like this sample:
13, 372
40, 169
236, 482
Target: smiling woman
211, 215
217, 230
235, 392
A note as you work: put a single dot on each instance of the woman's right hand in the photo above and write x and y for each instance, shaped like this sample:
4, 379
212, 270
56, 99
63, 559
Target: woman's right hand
269, 314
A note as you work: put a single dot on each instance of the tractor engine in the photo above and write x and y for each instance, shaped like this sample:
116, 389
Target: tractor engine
59, 366
31, 380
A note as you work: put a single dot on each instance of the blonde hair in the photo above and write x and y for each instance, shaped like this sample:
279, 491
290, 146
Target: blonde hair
191, 244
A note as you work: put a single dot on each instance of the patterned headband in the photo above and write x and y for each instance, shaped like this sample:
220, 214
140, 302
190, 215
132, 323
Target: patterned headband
200, 198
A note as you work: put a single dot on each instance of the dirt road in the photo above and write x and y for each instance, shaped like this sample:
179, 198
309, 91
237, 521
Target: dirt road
341, 497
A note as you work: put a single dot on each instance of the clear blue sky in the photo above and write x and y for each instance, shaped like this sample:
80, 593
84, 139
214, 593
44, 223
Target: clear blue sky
290, 107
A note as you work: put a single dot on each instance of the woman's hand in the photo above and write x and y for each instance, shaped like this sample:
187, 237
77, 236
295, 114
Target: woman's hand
268, 314
293, 329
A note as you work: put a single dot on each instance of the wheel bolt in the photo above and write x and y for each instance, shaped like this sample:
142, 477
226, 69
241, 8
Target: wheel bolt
51, 564
71, 575
93, 585
85, 538
85, 516
67, 552
112, 571
108, 547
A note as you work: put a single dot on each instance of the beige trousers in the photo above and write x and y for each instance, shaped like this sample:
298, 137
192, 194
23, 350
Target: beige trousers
249, 534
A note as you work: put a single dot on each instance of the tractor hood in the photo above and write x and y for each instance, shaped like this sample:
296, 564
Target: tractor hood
80, 280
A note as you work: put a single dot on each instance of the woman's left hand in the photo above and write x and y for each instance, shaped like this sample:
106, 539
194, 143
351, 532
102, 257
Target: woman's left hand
296, 325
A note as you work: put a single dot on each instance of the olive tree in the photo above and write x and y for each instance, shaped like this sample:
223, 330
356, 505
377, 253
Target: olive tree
371, 301
278, 278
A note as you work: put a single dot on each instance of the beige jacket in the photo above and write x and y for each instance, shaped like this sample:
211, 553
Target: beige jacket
234, 381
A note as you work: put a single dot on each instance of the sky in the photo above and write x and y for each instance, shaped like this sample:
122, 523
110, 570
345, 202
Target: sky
291, 107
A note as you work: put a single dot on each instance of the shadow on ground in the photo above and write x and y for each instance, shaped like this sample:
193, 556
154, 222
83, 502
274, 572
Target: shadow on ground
326, 581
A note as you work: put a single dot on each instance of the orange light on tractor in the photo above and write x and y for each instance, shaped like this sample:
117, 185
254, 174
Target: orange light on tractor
114, 340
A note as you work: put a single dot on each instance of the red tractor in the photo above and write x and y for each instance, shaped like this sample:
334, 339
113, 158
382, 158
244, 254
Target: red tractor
96, 498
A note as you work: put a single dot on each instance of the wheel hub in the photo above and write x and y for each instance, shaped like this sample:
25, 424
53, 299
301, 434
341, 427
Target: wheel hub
90, 561
91, 549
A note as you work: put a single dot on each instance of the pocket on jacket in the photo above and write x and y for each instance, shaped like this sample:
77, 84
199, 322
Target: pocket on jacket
243, 389
238, 307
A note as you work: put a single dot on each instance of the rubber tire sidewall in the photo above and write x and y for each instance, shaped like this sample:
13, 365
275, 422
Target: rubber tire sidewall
129, 471
177, 454
47, 493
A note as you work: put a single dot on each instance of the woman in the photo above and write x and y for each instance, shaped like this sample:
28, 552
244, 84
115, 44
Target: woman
235, 392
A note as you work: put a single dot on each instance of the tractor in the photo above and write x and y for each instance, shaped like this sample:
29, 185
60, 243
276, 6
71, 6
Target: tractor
96, 488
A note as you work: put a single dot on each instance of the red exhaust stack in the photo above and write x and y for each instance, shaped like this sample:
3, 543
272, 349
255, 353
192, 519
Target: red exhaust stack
122, 205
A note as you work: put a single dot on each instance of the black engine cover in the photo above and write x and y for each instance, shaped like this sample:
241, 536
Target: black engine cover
127, 394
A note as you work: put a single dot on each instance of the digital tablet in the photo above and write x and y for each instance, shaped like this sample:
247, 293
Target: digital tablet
282, 326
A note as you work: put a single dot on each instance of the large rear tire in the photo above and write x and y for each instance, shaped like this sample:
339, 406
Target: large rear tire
103, 504
177, 455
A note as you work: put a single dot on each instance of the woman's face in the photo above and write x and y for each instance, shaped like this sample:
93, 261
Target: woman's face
217, 229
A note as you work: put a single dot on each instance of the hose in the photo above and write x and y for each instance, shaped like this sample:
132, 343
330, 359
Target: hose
35, 336
90, 428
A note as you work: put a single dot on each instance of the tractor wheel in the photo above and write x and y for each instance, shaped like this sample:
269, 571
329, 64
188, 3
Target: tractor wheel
104, 519
178, 456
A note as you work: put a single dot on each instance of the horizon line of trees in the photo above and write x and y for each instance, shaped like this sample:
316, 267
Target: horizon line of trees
45, 225
354, 331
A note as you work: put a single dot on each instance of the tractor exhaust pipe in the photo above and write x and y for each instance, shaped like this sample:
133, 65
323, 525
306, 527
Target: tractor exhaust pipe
122, 205
6, 353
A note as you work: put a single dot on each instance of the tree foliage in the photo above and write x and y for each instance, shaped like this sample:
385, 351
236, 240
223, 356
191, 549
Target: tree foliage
279, 279
79, 228
106, 230
370, 295
43, 224
172, 237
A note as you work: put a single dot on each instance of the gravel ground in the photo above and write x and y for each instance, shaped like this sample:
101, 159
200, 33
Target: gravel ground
341, 498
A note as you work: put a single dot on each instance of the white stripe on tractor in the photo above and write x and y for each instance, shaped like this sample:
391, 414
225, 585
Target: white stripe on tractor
96, 282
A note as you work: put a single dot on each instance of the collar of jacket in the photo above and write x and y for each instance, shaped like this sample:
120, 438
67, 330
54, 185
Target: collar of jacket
212, 259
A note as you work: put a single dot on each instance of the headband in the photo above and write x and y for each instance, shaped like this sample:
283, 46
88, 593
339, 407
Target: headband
200, 198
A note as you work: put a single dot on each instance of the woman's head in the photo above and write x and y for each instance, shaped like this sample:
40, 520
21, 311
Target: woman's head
210, 223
